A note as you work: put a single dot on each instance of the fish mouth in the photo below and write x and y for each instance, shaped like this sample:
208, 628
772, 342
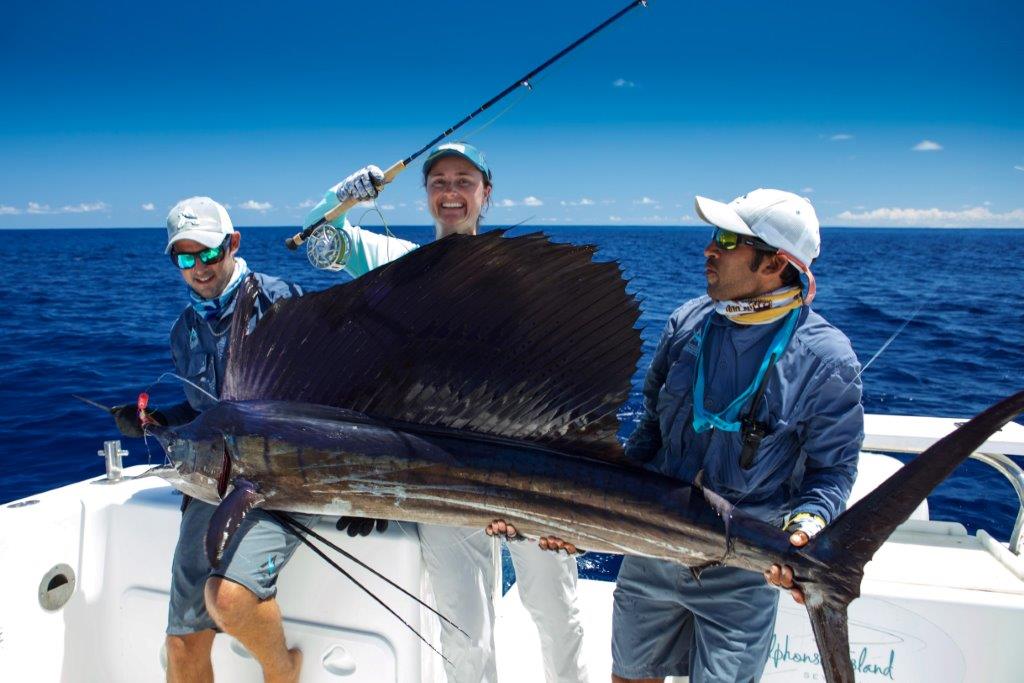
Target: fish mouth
194, 485
162, 471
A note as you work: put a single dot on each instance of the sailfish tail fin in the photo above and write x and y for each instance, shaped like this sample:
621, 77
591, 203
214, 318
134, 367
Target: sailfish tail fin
845, 546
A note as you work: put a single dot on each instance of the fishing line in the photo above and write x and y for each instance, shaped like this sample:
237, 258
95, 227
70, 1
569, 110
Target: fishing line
523, 94
483, 126
293, 526
890, 340
878, 353
186, 381
353, 558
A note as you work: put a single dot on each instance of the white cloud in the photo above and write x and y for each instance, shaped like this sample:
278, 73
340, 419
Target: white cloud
1019, 168
807, 190
253, 205
532, 201
838, 137
148, 206
84, 207
307, 204
973, 217
89, 207
927, 146
9, 210
623, 83
505, 203
645, 200
582, 202
615, 219
387, 207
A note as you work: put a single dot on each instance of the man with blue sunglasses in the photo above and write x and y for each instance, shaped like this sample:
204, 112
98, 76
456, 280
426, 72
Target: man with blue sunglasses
238, 597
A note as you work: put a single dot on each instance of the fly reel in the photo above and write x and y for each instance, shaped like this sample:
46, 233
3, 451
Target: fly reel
328, 248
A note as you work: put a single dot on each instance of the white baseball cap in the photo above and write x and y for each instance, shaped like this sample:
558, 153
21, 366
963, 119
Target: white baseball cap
200, 219
781, 219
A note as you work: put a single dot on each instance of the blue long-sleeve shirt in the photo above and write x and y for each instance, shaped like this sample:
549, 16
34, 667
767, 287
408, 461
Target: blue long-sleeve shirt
199, 348
812, 407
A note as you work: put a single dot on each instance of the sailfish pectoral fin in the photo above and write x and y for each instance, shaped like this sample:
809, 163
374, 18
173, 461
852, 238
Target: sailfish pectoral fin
229, 516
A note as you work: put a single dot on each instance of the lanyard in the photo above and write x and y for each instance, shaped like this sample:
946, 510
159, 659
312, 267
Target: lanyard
728, 419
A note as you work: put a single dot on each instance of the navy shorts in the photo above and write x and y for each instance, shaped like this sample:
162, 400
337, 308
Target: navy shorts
258, 551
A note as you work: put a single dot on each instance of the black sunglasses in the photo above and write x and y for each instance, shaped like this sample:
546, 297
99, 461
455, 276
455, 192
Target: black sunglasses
187, 259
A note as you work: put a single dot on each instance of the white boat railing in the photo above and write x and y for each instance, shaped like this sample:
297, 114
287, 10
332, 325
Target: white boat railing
1015, 475
911, 434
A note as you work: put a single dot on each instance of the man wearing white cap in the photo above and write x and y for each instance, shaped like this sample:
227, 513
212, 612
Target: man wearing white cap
238, 597
756, 397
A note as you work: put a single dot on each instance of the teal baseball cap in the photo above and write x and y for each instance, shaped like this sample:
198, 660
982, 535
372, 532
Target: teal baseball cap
458, 149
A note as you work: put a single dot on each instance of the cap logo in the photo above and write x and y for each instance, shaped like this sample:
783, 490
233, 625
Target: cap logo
186, 218
460, 148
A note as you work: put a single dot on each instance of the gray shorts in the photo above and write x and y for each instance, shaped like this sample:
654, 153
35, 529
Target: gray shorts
664, 623
260, 548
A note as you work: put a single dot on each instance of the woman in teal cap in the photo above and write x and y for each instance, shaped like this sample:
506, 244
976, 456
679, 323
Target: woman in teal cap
460, 561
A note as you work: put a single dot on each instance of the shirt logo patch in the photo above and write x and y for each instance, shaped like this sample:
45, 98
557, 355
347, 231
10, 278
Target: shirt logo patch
691, 346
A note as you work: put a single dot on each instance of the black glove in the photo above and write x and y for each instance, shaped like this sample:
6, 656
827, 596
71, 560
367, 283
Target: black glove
361, 526
127, 419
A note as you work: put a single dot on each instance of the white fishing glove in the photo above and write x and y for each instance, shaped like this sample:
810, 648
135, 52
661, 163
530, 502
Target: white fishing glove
364, 184
806, 522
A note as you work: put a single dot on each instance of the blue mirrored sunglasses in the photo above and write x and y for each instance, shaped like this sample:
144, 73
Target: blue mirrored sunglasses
187, 259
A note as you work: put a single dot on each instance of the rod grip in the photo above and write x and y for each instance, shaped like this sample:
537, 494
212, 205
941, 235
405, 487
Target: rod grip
298, 238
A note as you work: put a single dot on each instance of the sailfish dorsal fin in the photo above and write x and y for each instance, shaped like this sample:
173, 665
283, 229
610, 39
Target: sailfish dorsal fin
514, 337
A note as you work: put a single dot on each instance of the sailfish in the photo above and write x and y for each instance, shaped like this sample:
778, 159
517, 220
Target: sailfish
480, 377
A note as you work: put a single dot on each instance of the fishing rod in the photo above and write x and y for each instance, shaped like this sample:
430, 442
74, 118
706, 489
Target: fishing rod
294, 241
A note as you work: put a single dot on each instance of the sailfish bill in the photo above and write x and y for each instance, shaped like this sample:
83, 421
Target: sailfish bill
479, 378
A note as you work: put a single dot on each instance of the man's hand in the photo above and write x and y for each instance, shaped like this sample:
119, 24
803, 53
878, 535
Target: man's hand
783, 576
802, 526
360, 526
126, 418
500, 528
364, 184
554, 543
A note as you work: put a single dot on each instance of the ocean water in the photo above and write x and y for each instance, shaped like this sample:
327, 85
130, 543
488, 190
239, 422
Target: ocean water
89, 311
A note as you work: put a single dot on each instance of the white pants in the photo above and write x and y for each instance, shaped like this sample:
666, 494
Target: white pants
461, 568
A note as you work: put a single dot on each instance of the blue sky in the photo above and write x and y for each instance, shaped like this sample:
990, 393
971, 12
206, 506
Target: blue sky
881, 113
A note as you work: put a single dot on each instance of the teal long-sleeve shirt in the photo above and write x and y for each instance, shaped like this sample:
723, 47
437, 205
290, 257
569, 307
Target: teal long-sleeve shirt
367, 249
